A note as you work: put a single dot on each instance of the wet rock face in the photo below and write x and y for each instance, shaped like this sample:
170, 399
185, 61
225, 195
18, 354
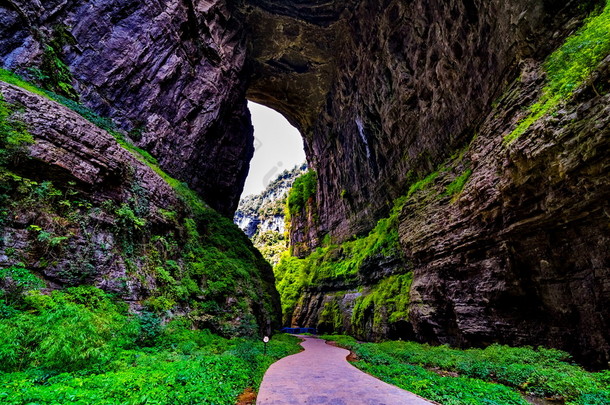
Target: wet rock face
412, 81
170, 70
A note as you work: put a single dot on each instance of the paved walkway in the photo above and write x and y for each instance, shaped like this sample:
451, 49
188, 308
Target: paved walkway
321, 375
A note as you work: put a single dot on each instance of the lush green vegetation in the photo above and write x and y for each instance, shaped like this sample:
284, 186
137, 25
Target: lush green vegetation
423, 183
303, 188
271, 244
388, 301
81, 346
14, 135
195, 260
494, 375
335, 262
569, 67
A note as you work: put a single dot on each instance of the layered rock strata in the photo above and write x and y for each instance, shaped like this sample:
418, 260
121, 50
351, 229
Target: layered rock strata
78, 208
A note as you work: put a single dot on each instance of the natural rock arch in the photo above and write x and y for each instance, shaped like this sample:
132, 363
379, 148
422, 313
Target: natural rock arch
383, 92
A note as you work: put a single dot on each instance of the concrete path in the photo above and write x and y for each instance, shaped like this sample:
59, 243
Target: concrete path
321, 375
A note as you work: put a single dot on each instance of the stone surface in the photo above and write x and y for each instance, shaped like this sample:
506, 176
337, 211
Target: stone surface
523, 255
86, 232
171, 70
321, 375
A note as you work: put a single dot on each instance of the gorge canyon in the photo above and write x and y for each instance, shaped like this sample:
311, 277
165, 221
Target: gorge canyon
464, 225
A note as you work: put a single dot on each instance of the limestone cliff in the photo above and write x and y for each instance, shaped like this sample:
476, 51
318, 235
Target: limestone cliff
170, 71
262, 217
504, 258
491, 241
77, 207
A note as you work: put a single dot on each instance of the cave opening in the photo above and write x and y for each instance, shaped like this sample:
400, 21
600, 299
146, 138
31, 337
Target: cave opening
278, 146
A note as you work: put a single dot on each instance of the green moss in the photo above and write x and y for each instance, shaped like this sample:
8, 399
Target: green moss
16, 80
331, 317
457, 185
303, 188
53, 74
14, 135
336, 262
568, 68
423, 183
387, 302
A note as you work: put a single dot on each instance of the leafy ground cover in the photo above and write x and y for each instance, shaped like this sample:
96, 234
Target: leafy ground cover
80, 346
494, 375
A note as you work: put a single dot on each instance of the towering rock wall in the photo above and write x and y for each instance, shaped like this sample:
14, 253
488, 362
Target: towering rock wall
522, 255
412, 84
77, 207
168, 70
413, 79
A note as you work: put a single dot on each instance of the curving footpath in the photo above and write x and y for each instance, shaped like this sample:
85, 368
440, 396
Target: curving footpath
321, 375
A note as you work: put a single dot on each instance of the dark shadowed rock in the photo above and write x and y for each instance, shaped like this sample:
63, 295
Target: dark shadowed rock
169, 70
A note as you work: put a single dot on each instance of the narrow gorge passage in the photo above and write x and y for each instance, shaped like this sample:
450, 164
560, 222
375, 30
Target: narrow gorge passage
321, 375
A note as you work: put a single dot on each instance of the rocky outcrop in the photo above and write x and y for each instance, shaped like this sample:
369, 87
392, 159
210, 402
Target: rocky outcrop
262, 216
265, 211
522, 255
168, 70
78, 208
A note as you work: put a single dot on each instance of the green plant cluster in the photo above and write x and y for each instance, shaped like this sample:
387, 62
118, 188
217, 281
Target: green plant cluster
196, 260
16, 280
271, 244
14, 135
336, 262
81, 346
495, 375
569, 67
457, 185
387, 302
331, 317
53, 74
303, 188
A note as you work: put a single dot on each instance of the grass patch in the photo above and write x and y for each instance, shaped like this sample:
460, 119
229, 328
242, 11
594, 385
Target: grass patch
494, 375
569, 66
16, 80
423, 183
389, 297
198, 262
79, 346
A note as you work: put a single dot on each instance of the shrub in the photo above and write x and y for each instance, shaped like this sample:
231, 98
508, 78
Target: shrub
542, 372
